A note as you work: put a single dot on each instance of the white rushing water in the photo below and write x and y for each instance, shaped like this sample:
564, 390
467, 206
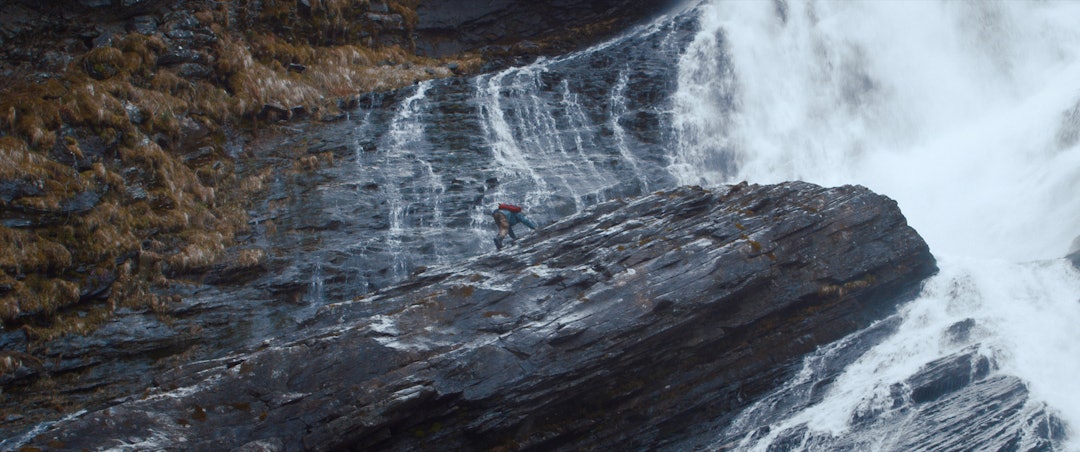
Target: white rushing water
404, 132
966, 113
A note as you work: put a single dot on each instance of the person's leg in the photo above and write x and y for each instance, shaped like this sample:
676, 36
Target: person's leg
504, 228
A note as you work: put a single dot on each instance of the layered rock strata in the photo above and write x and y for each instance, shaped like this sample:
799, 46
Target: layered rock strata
621, 326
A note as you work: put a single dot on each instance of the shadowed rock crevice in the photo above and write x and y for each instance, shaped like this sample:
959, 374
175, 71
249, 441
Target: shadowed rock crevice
516, 29
623, 326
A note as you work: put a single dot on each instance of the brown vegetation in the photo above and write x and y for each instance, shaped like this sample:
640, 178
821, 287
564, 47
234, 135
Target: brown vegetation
98, 158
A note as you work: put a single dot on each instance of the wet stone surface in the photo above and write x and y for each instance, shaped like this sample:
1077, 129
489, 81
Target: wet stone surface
620, 326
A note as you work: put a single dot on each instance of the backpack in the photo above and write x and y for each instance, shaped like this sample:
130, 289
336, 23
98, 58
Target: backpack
510, 207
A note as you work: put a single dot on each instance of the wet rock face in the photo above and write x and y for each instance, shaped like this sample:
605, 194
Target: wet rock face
328, 231
620, 327
103, 9
943, 406
48, 34
449, 26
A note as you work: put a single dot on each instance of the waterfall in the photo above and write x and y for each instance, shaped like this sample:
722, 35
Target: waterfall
425, 166
545, 147
405, 129
966, 114
554, 128
618, 109
510, 156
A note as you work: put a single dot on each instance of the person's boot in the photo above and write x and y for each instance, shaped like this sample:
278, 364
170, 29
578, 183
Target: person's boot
498, 243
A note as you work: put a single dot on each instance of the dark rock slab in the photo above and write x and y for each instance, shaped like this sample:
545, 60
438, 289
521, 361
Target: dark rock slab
616, 328
971, 408
957, 402
450, 26
946, 376
12, 189
961, 421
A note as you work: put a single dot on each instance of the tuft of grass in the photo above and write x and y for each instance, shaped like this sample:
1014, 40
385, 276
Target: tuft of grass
39, 294
250, 257
82, 320
103, 62
18, 162
91, 104
140, 53
31, 253
52, 181
407, 9
108, 231
203, 249
29, 112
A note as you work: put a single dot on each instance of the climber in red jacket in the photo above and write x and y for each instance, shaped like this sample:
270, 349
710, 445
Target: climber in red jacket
506, 216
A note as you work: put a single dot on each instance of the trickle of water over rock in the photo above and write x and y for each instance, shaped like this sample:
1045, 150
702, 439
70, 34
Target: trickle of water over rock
416, 175
408, 180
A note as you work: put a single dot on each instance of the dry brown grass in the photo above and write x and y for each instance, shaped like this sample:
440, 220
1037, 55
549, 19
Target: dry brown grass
140, 53
341, 71
188, 213
108, 231
30, 253
407, 9
203, 249
18, 162
90, 104
104, 62
30, 111
37, 295
57, 181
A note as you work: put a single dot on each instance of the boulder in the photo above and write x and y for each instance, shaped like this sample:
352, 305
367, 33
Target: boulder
617, 328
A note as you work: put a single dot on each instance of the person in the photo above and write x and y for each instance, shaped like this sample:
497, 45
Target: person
506, 216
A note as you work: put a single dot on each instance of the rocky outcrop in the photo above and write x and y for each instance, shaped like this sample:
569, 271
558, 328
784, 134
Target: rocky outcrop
620, 327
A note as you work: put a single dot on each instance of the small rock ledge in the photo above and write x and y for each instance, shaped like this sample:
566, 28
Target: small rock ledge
620, 327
